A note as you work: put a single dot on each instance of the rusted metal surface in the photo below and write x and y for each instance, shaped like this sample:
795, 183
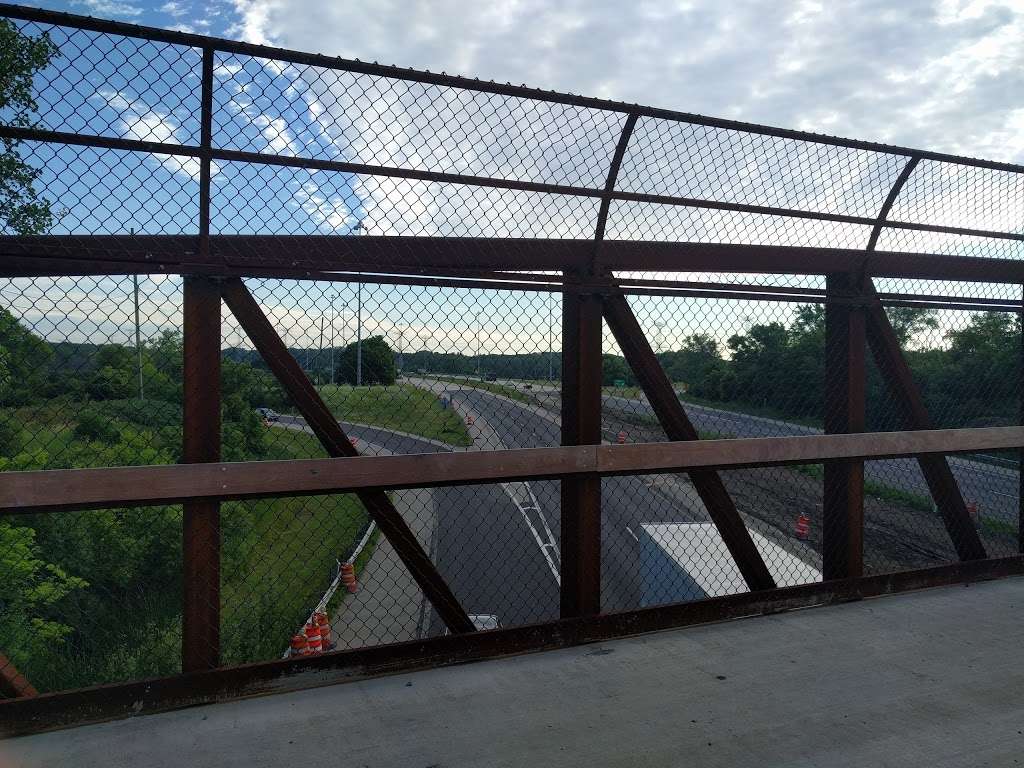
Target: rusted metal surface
613, 175
944, 489
201, 443
50, 711
337, 444
673, 419
13, 684
845, 386
581, 426
52, 490
297, 255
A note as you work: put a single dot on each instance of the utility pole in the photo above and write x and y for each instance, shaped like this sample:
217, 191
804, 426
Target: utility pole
359, 335
320, 353
333, 318
476, 318
138, 341
138, 332
551, 362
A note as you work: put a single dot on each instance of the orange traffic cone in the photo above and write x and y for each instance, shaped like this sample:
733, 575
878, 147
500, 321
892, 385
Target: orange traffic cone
322, 621
803, 526
313, 644
348, 577
299, 645
621, 438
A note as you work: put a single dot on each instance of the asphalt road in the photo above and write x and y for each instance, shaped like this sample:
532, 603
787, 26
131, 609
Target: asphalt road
482, 545
627, 502
993, 488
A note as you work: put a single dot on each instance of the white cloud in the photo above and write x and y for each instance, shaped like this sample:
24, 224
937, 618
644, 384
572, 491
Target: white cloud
939, 75
136, 120
109, 8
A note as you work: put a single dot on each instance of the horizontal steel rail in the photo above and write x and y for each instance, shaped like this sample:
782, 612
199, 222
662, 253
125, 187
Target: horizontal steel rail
474, 84
297, 256
442, 177
66, 489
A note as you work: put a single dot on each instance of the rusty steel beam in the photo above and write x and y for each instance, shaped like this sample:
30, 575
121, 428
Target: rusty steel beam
845, 385
13, 684
673, 419
581, 426
54, 490
299, 254
120, 700
332, 436
943, 486
201, 443
890, 200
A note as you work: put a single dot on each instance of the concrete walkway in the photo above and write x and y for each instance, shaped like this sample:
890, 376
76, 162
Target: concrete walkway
932, 678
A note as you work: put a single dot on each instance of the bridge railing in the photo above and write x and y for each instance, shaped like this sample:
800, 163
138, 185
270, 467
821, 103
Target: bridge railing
416, 266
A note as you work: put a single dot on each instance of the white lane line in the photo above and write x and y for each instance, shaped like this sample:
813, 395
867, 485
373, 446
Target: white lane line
546, 547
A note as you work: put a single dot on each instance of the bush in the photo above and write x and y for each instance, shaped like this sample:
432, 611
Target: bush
10, 435
93, 426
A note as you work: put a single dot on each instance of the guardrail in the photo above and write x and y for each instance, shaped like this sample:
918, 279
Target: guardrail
587, 275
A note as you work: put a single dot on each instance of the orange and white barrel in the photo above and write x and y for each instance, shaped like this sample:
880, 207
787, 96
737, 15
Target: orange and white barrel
313, 644
348, 577
322, 621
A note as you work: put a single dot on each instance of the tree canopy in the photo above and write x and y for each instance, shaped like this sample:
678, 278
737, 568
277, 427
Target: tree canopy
22, 209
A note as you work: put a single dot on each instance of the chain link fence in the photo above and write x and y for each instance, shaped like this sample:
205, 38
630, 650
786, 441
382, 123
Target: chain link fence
91, 366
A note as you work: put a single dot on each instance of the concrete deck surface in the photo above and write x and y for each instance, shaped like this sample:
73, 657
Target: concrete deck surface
933, 678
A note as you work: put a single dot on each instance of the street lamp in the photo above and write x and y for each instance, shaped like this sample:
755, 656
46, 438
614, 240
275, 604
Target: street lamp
361, 228
334, 316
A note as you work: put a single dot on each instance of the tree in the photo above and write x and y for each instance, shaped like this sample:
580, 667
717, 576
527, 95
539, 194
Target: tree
378, 363
614, 368
907, 322
23, 358
22, 210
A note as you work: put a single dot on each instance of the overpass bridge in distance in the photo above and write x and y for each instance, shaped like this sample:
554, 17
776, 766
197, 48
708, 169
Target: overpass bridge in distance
872, 674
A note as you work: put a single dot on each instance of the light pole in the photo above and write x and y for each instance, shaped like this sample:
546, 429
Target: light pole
551, 361
138, 331
476, 318
401, 345
359, 335
332, 296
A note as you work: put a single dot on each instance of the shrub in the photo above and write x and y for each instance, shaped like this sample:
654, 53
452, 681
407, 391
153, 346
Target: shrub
95, 426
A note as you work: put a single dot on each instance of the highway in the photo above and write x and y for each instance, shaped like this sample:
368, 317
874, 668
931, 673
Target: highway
627, 502
994, 488
480, 540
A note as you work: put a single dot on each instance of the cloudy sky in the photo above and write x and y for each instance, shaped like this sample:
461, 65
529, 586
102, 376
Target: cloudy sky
945, 75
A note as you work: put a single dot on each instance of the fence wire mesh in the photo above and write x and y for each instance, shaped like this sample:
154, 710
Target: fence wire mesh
91, 367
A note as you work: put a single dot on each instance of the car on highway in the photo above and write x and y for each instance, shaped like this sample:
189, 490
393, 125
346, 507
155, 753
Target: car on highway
491, 377
268, 414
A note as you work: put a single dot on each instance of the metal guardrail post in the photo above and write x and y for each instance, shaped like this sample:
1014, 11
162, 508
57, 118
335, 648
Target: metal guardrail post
201, 443
845, 383
581, 425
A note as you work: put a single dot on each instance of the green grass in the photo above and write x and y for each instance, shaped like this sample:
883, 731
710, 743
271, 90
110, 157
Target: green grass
751, 410
874, 489
487, 386
276, 554
630, 393
401, 407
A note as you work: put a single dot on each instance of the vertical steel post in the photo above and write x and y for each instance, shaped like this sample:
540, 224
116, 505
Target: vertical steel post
581, 425
201, 426
201, 442
845, 383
